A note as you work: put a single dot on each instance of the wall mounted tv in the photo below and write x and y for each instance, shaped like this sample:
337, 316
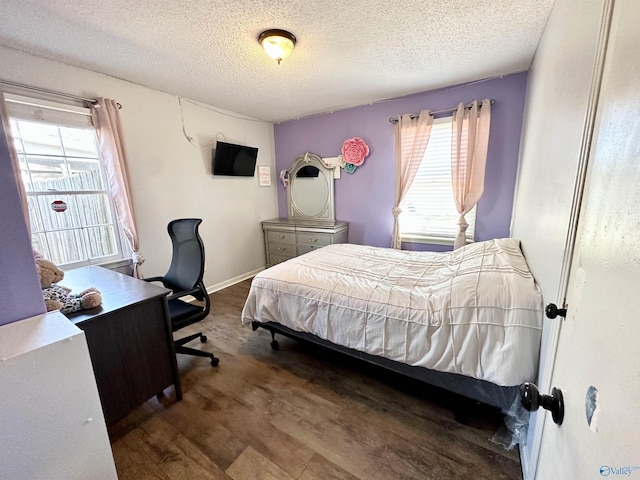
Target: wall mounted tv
234, 160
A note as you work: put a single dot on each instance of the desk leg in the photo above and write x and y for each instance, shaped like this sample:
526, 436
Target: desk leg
172, 347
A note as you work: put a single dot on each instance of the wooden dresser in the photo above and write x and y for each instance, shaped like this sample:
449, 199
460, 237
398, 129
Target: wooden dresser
285, 238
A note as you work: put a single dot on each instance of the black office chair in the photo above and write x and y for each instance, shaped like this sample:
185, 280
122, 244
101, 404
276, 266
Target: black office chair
185, 278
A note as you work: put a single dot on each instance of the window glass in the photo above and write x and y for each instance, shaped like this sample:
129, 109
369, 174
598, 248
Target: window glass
429, 212
70, 206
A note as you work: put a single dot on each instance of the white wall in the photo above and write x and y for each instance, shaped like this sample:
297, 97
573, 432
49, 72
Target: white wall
170, 177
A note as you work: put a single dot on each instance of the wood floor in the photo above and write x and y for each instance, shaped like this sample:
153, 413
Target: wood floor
300, 413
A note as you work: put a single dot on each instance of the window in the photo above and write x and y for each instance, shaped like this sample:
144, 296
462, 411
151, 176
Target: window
70, 206
429, 212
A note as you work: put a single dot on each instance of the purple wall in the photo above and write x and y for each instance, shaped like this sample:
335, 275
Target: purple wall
20, 292
365, 198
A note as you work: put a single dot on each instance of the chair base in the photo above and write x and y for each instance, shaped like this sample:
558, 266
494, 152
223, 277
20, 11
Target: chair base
180, 348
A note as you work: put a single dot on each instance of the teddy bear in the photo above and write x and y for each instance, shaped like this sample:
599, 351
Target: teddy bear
57, 297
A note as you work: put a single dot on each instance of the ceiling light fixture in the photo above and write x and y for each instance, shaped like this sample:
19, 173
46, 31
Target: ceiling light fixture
277, 43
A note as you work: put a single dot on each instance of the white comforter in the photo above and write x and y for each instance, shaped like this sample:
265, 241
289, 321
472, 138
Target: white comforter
475, 311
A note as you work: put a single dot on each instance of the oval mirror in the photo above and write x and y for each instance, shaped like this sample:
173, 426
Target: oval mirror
310, 189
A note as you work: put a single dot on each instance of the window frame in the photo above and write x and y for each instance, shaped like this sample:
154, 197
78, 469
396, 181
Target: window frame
59, 115
431, 237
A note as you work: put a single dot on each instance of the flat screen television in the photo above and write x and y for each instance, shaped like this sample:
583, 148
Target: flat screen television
234, 160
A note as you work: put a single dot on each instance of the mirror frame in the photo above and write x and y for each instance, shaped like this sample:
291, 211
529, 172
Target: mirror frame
304, 160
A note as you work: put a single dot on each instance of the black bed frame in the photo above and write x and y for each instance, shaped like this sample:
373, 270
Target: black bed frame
480, 390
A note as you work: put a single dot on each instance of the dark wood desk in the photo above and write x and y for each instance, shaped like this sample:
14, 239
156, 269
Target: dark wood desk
129, 338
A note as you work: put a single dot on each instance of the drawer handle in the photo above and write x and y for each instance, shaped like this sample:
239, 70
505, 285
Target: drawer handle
280, 237
313, 240
281, 249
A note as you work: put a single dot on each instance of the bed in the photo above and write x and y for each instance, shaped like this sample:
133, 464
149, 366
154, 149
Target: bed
469, 321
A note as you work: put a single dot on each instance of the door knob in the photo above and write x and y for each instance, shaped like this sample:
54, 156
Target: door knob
552, 311
531, 399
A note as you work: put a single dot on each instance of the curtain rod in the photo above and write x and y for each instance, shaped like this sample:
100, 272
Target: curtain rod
50, 92
394, 120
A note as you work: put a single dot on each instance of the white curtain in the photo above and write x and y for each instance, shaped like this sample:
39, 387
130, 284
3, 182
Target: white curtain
469, 144
107, 123
412, 137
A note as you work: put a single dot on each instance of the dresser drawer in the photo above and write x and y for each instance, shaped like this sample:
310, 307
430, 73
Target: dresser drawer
275, 259
285, 238
282, 250
281, 237
318, 239
302, 249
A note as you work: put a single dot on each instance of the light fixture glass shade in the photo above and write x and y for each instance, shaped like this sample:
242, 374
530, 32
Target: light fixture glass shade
277, 43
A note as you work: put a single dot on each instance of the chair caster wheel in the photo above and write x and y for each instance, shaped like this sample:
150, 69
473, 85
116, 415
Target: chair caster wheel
215, 361
203, 338
275, 345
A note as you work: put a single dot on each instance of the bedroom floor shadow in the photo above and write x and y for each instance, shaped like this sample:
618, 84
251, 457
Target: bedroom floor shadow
302, 412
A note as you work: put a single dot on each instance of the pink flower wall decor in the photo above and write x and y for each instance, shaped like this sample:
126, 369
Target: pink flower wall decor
354, 150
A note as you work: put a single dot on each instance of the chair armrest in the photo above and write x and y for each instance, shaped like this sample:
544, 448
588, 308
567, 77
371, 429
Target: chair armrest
183, 293
153, 279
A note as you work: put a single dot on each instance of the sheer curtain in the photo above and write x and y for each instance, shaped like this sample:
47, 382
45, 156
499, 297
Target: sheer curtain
469, 143
15, 164
412, 137
107, 123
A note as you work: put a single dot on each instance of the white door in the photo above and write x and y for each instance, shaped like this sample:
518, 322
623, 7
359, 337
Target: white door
561, 92
599, 343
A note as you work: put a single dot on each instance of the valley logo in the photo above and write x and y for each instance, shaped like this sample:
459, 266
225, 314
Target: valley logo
606, 470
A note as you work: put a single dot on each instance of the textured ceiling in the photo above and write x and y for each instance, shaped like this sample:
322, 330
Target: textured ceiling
349, 53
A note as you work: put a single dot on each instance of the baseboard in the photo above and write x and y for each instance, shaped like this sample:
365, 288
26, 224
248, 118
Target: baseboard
225, 284
233, 281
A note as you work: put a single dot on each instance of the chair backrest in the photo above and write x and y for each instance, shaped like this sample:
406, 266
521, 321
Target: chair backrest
187, 263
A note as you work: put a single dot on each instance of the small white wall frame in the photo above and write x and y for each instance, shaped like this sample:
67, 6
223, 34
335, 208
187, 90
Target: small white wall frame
264, 176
